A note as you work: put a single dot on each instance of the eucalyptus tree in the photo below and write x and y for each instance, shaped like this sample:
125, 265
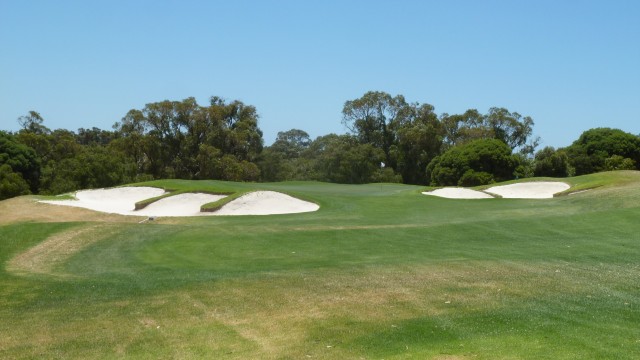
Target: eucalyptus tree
499, 123
419, 140
375, 118
173, 138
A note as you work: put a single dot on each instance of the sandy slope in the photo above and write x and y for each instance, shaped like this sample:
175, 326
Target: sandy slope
529, 190
458, 193
266, 203
120, 200
526, 190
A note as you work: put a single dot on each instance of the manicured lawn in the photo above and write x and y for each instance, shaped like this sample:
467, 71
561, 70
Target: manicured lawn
380, 271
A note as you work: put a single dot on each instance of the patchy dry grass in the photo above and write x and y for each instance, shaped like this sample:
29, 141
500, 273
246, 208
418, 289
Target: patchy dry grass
28, 209
46, 257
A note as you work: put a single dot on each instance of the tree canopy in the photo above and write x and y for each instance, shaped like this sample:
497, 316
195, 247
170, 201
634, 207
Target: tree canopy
185, 140
595, 148
478, 162
389, 140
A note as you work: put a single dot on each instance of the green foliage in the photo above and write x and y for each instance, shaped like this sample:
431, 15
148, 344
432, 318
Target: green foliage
95, 136
385, 175
93, 167
21, 158
173, 138
411, 135
589, 153
475, 178
499, 123
525, 168
617, 162
478, 162
374, 119
32, 123
287, 158
419, 141
217, 205
11, 183
344, 160
292, 143
553, 163
510, 128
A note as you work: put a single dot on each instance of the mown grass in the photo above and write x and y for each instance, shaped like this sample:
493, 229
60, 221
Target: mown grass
379, 272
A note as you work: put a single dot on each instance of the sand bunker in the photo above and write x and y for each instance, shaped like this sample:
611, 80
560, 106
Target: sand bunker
526, 190
123, 201
266, 203
458, 193
529, 190
114, 201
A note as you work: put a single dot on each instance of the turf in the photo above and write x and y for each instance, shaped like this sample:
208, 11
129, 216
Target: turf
380, 271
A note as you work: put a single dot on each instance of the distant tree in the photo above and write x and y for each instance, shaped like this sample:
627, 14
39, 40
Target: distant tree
374, 119
419, 140
553, 163
499, 123
343, 159
476, 163
462, 128
284, 160
95, 136
11, 183
91, 167
292, 143
589, 153
510, 127
216, 165
32, 122
617, 162
22, 160
166, 139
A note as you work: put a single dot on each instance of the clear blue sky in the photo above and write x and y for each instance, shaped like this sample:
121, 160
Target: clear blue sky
571, 65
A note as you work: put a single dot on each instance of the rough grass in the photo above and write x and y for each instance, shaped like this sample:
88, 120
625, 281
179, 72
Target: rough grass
217, 205
172, 192
380, 271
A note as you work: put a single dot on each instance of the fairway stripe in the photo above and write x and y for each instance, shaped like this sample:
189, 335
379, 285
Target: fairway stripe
45, 257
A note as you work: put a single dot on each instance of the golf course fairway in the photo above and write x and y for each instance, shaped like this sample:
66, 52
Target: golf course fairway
380, 271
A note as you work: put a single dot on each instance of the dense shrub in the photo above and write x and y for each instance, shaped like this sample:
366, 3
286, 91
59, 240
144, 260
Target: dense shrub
11, 183
590, 152
552, 162
478, 162
617, 162
21, 159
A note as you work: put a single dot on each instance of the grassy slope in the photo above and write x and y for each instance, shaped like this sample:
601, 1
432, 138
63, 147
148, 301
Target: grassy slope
379, 272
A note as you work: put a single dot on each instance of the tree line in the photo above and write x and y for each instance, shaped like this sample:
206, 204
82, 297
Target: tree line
389, 140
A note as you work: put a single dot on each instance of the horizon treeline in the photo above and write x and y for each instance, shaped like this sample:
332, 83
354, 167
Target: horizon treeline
389, 140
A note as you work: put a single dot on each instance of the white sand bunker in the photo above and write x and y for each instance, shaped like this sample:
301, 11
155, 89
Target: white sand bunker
458, 193
123, 201
266, 203
529, 190
526, 190
115, 201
